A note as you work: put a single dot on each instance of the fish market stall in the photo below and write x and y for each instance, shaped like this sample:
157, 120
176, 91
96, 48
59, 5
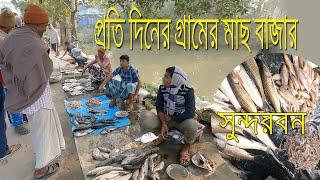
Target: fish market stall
107, 139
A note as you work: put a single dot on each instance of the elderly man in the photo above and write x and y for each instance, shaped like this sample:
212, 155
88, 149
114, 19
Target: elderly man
7, 22
26, 68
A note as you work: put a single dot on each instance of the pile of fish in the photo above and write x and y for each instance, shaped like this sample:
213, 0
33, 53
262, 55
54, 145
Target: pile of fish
251, 87
127, 166
77, 86
303, 150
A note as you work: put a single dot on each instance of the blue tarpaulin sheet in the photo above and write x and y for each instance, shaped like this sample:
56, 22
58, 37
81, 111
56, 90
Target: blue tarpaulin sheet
84, 111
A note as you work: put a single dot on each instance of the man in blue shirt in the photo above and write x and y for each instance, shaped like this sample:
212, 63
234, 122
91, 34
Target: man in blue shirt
125, 83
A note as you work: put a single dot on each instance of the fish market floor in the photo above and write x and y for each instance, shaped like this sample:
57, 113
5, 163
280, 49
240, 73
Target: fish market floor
76, 160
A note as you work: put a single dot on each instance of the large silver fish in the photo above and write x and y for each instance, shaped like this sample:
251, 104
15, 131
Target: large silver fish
243, 143
242, 95
253, 71
284, 75
233, 150
143, 170
268, 85
249, 85
226, 89
219, 95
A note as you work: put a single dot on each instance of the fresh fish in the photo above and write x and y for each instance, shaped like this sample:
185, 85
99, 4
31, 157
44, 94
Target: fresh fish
112, 160
83, 133
243, 143
289, 64
284, 75
98, 169
110, 175
97, 155
112, 168
143, 156
143, 170
219, 95
135, 175
159, 167
234, 151
268, 85
249, 85
276, 77
157, 175
151, 164
241, 94
264, 138
151, 176
127, 160
228, 105
226, 89
105, 150
125, 177
253, 71
302, 78
286, 95
217, 107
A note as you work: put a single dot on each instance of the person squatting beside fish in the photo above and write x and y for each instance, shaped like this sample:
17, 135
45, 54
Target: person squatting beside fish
175, 107
105, 70
127, 88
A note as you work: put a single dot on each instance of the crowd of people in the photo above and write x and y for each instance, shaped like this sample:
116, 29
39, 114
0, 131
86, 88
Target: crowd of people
26, 68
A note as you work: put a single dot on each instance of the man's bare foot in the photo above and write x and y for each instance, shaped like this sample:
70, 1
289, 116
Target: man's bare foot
185, 155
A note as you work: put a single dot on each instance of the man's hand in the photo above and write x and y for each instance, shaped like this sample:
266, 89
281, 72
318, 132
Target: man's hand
164, 130
167, 118
101, 89
135, 97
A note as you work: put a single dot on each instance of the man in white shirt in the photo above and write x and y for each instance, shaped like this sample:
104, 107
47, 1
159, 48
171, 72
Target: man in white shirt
54, 39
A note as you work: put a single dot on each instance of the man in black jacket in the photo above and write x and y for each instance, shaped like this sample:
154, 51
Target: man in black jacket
175, 109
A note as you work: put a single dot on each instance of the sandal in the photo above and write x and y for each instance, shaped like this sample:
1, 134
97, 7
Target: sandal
185, 157
14, 148
157, 141
52, 169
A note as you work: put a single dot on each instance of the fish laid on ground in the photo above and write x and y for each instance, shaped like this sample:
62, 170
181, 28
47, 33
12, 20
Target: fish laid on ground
264, 138
125, 177
249, 85
135, 175
242, 95
143, 156
233, 150
226, 89
223, 104
143, 170
302, 78
117, 159
268, 85
243, 143
253, 71
83, 133
284, 75
112, 168
128, 159
287, 96
111, 175
150, 164
289, 64
105, 150
98, 169
216, 107
219, 95
159, 167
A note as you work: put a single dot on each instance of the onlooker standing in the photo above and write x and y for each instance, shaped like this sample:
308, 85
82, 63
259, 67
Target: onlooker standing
24, 58
54, 39
7, 22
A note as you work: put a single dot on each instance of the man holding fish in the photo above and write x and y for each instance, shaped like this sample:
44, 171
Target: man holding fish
175, 109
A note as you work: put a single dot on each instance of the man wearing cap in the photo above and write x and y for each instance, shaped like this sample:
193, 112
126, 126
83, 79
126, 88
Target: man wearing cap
26, 68
7, 22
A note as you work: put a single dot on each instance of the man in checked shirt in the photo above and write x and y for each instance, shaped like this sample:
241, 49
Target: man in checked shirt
125, 83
